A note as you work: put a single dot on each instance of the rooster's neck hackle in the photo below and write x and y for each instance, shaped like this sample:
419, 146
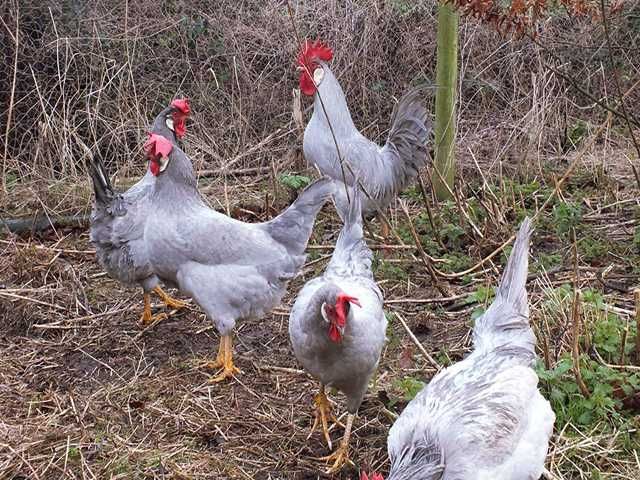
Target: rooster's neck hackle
335, 103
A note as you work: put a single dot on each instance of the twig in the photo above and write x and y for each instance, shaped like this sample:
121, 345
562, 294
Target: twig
11, 99
636, 297
39, 223
425, 258
429, 358
575, 350
427, 206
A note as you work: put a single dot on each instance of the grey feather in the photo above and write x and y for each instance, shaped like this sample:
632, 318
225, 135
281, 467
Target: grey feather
292, 228
482, 418
232, 269
348, 365
383, 171
117, 228
506, 321
118, 219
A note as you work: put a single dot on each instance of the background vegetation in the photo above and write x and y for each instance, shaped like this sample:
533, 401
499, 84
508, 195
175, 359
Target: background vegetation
86, 394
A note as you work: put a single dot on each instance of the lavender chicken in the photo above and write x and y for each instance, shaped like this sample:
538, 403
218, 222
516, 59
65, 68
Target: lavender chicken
482, 418
383, 171
118, 219
337, 327
231, 269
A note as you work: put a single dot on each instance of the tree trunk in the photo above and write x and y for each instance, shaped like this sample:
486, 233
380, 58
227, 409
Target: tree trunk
446, 76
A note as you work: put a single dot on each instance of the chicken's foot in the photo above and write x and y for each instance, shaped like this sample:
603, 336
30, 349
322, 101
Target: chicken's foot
340, 457
228, 368
323, 413
219, 361
168, 300
147, 318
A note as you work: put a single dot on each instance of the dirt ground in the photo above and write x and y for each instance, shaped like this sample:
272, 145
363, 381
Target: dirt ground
86, 393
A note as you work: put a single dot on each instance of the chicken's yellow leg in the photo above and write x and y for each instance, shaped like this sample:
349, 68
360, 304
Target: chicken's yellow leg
219, 361
147, 318
228, 368
323, 413
341, 456
168, 300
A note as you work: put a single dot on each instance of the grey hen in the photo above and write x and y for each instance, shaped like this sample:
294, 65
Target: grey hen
383, 171
482, 418
233, 270
118, 219
337, 343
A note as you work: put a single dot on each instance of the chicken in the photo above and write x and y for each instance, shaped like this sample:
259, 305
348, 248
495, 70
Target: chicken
482, 418
337, 328
118, 219
232, 270
383, 171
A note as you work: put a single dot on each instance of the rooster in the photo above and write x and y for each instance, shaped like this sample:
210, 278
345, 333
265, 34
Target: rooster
232, 270
482, 418
337, 328
382, 171
118, 219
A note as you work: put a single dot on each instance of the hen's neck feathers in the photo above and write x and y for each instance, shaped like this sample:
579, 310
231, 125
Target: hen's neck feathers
179, 179
335, 103
421, 460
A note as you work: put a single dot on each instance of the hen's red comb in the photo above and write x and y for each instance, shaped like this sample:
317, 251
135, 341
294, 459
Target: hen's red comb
341, 307
157, 146
182, 104
312, 51
375, 476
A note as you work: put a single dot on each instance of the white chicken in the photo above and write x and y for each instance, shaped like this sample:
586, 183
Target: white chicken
482, 418
337, 328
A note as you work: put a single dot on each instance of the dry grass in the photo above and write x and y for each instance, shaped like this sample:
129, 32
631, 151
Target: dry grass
85, 394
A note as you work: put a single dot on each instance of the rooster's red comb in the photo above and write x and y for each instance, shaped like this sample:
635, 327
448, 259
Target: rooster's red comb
157, 146
182, 104
312, 51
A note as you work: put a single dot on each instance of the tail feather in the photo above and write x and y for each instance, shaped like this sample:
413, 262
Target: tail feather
408, 137
352, 256
506, 321
102, 187
293, 227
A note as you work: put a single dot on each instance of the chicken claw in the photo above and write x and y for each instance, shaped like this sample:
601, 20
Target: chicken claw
323, 413
168, 300
147, 318
218, 362
226, 360
340, 457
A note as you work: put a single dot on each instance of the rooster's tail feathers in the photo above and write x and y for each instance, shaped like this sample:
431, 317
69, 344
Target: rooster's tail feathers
101, 183
293, 227
506, 321
409, 135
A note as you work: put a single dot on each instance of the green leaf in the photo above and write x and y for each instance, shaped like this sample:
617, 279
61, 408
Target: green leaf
294, 182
